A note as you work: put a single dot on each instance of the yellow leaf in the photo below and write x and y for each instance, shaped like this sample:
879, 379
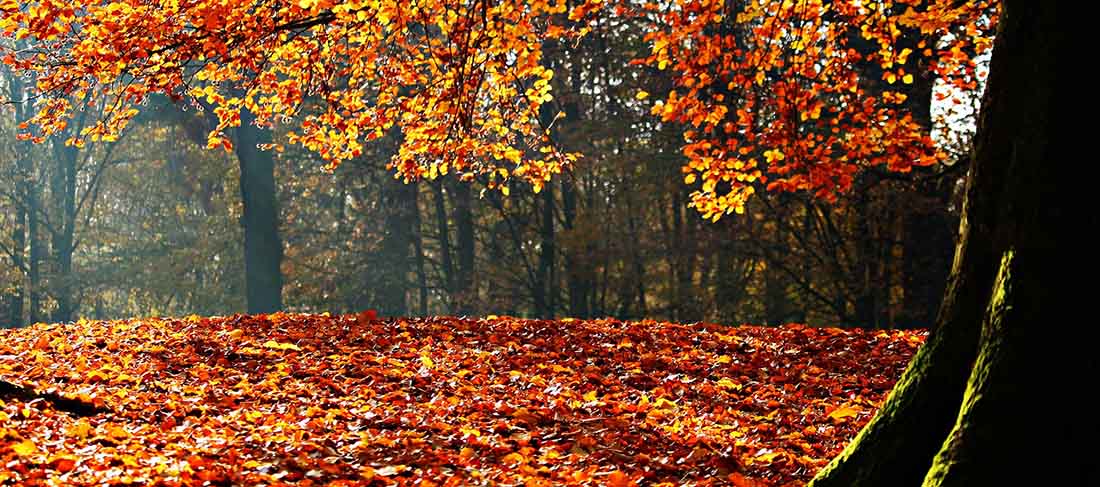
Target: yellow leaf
81, 429
280, 346
253, 415
908, 79
427, 361
663, 403
641, 95
843, 413
729, 384
25, 448
690, 178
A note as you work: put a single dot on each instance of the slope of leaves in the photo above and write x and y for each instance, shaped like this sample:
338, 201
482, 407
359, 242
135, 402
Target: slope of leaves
289, 399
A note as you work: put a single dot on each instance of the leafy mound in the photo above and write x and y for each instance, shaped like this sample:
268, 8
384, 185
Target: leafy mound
289, 399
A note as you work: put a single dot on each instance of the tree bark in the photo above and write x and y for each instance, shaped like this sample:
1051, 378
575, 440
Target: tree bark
23, 192
418, 247
982, 388
63, 194
465, 285
576, 276
263, 247
444, 235
545, 289
399, 202
36, 251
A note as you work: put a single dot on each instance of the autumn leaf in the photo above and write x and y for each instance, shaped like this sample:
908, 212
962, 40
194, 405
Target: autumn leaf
520, 401
843, 413
280, 346
25, 448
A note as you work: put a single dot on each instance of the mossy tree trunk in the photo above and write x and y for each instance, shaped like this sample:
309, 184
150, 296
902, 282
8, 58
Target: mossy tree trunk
983, 402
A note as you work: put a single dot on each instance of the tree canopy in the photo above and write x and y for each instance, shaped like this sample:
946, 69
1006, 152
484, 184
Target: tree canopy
781, 95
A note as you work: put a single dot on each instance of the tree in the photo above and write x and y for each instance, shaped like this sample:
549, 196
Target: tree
949, 420
263, 247
774, 105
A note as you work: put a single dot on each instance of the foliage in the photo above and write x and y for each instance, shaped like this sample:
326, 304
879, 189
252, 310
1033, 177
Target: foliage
353, 400
461, 80
804, 95
797, 95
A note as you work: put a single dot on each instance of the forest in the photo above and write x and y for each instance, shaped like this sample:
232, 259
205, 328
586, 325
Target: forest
549, 242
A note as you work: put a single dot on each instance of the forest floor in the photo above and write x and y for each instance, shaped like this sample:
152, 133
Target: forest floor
289, 399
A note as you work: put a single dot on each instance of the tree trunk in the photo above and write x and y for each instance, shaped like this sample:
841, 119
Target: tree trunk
19, 244
465, 286
444, 236
545, 289
263, 248
575, 273
63, 193
399, 202
982, 387
23, 192
418, 247
34, 270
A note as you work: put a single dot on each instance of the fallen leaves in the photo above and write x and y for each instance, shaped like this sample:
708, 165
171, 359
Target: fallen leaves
293, 399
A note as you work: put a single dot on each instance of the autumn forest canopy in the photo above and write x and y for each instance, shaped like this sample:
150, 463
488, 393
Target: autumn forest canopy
585, 242
635, 118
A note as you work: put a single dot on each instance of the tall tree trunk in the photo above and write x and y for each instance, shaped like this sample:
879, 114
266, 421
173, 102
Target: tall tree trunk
732, 271
263, 248
37, 251
636, 271
63, 193
866, 261
19, 244
418, 246
444, 234
545, 289
465, 285
676, 242
395, 265
964, 413
575, 272
23, 192
686, 257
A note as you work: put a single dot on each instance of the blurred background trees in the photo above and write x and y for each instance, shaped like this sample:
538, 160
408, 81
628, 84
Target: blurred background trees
154, 223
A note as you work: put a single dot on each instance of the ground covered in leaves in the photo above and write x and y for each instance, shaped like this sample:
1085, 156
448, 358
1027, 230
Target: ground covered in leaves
288, 399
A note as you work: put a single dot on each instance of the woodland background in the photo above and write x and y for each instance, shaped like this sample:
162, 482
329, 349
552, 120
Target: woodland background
151, 223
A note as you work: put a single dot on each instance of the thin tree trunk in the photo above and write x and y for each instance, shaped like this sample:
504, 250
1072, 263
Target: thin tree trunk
23, 193
545, 288
34, 269
444, 233
575, 275
418, 246
465, 285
